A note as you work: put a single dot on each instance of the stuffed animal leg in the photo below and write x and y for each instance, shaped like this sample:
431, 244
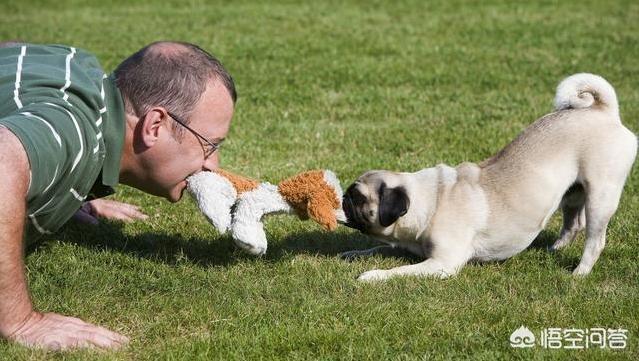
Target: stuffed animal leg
247, 227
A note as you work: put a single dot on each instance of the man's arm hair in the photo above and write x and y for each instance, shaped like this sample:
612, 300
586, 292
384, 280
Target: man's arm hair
15, 303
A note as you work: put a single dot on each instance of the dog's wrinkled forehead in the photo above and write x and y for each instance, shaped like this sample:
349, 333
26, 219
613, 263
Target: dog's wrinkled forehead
371, 181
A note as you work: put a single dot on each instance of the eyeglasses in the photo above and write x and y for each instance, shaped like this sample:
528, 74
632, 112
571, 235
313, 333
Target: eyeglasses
208, 147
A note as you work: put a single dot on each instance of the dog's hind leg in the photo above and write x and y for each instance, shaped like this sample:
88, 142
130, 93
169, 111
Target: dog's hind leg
601, 203
574, 214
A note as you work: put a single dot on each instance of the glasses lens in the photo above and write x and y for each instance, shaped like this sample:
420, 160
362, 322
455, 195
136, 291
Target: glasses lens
207, 146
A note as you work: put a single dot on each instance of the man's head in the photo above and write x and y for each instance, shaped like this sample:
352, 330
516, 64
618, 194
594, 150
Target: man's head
176, 97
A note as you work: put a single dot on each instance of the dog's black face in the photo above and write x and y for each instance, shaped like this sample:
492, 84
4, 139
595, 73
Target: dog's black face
370, 205
353, 204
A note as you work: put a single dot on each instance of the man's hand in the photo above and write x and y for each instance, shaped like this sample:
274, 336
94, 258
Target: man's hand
104, 208
52, 331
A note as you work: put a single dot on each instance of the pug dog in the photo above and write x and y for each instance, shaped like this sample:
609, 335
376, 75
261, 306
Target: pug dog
576, 158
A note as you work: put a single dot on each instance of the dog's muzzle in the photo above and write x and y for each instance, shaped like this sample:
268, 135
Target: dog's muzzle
352, 203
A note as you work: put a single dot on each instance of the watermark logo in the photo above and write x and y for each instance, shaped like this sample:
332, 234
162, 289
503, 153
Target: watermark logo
522, 338
570, 338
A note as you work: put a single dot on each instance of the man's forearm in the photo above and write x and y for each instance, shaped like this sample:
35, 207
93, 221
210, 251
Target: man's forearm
19, 322
15, 303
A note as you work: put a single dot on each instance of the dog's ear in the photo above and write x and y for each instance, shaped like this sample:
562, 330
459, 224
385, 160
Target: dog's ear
393, 203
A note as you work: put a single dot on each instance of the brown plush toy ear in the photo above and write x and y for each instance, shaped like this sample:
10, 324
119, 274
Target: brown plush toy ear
310, 196
320, 208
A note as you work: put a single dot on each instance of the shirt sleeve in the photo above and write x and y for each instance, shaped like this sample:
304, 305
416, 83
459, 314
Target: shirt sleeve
45, 131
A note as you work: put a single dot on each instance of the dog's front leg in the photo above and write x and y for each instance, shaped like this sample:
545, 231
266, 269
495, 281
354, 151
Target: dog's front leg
446, 257
430, 267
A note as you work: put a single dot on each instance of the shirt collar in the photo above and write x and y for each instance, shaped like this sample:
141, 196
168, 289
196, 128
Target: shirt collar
113, 131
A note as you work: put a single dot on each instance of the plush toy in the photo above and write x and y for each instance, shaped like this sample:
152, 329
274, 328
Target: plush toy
231, 201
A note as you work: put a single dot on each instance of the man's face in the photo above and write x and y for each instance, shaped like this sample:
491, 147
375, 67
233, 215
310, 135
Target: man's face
175, 159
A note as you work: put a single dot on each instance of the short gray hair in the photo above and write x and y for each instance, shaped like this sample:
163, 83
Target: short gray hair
172, 75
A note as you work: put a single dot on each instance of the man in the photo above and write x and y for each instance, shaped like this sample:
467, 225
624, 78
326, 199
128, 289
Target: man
69, 133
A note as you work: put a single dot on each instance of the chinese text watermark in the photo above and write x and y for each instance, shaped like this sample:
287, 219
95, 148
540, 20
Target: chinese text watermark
570, 338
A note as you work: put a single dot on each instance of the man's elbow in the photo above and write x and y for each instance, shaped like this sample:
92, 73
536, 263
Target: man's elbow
14, 165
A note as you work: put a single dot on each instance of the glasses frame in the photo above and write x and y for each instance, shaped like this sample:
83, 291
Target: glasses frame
213, 146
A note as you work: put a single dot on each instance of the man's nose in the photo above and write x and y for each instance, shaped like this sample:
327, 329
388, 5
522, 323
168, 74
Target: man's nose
212, 162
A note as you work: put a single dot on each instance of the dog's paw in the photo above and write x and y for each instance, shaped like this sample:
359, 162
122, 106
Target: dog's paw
373, 276
559, 244
581, 271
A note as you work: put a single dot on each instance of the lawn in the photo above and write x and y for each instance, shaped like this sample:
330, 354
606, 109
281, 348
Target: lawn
349, 86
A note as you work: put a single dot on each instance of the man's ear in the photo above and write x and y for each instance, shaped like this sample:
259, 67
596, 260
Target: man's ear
393, 203
150, 126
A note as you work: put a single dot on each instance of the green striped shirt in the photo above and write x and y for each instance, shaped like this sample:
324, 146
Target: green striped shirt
69, 116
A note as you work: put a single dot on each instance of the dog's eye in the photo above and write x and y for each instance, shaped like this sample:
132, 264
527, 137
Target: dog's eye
358, 197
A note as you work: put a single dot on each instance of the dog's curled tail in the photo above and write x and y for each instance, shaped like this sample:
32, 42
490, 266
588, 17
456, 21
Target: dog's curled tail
586, 90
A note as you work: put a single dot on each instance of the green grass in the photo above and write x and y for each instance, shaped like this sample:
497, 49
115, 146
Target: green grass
348, 86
